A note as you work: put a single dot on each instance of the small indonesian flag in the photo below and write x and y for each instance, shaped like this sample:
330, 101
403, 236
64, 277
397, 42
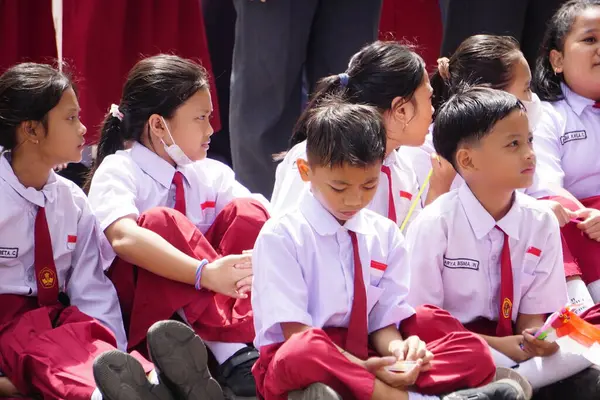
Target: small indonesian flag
406, 195
535, 251
71, 242
377, 269
207, 204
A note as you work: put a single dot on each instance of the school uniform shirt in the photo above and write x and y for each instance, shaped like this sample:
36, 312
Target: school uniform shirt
568, 139
135, 180
304, 271
420, 160
289, 187
81, 252
454, 252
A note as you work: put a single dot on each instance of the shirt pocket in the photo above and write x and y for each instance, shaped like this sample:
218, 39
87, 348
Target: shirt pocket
530, 263
373, 295
376, 272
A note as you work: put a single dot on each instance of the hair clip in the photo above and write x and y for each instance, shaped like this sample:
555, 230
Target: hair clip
344, 79
114, 111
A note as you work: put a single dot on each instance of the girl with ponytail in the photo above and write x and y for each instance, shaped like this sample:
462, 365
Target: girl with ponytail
179, 223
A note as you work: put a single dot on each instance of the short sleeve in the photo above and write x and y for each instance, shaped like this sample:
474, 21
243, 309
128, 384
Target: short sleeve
279, 290
113, 190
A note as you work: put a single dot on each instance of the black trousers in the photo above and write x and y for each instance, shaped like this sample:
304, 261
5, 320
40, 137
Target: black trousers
525, 20
276, 43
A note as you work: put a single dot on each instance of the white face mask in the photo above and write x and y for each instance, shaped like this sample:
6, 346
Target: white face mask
534, 111
174, 151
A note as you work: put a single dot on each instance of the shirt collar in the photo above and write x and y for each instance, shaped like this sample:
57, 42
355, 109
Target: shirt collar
577, 102
482, 221
325, 224
37, 197
391, 159
155, 166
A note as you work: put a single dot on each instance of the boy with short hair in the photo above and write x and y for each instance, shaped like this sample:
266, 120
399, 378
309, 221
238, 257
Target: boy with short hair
329, 279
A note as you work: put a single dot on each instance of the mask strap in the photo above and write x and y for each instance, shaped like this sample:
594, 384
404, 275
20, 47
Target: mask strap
168, 131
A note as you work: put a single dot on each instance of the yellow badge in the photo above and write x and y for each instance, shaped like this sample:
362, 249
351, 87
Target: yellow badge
47, 278
507, 308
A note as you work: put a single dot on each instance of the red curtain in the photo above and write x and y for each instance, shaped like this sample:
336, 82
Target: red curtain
26, 32
418, 21
103, 39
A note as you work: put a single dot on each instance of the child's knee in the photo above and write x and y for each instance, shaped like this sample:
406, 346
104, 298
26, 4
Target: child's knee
161, 217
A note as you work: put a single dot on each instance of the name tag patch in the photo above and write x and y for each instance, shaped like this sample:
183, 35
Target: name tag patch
9, 252
570, 136
461, 263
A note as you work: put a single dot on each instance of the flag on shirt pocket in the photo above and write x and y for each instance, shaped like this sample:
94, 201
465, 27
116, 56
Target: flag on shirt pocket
71, 242
377, 270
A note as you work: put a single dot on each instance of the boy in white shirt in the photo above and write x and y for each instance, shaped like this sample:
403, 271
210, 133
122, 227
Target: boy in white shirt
329, 278
487, 253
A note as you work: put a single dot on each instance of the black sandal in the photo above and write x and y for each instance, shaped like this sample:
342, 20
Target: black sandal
236, 372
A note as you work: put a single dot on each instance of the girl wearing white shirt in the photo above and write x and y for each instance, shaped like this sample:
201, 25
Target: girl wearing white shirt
178, 222
58, 311
392, 78
567, 79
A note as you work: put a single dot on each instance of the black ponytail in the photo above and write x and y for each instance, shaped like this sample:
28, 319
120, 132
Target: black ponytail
155, 85
377, 74
479, 60
546, 83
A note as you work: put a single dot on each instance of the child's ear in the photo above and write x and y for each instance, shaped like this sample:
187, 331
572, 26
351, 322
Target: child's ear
556, 60
402, 110
464, 160
157, 126
303, 169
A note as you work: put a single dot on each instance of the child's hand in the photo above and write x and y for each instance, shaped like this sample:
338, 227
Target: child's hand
230, 275
412, 349
591, 222
536, 347
443, 174
510, 346
376, 366
564, 215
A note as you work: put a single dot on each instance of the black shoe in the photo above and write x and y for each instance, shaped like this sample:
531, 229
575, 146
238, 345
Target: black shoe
180, 359
582, 386
504, 389
236, 372
316, 391
119, 376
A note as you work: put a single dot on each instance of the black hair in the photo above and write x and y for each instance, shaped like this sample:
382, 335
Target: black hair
546, 83
469, 116
376, 75
480, 59
155, 85
341, 133
28, 92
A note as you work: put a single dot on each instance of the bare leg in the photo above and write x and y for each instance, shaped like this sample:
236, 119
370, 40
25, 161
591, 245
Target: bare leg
7, 389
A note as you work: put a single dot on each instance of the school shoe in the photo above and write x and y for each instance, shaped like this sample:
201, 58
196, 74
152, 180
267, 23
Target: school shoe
119, 376
316, 391
503, 389
180, 358
582, 386
509, 373
235, 374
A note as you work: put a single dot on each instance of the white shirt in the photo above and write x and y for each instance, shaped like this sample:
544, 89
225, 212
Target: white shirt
568, 139
420, 160
289, 187
81, 252
454, 251
135, 180
304, 271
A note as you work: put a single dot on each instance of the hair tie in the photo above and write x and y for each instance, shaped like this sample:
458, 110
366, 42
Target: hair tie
114, 111
344, 79
444, 68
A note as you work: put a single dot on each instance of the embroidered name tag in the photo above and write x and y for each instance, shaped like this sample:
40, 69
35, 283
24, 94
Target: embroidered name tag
570, 136
9, 252
461, 263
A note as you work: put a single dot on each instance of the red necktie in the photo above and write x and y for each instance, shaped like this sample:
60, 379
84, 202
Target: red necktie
391, 207
45, 269
179, 192
505, 327
357, 341
597, 104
